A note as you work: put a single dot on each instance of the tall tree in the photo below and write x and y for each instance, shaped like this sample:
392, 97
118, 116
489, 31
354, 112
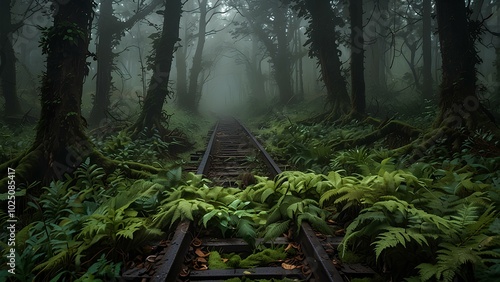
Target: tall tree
151, 114
60, 143
189, 97
181, 56
188, 101
459, 104
323, 39
8, 60
110, 31
377, 33
357, 57
426, 50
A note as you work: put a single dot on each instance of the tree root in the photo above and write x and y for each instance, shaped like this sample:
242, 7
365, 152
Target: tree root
385, 129
32, 167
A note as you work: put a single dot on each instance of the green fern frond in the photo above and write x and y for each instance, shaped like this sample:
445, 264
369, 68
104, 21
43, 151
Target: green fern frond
394, 236
483, 223
130, 226
316, 222
276, 229
274, 215
466, 215
450, 259
59, 260
246, 230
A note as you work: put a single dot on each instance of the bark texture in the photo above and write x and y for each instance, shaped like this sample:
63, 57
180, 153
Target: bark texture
151, 115
60, 133
324, 46
459, 105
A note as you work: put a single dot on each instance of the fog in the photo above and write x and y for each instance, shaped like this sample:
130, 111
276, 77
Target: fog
231, 50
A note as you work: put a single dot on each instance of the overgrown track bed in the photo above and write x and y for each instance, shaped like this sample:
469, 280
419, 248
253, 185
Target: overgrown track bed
232, 154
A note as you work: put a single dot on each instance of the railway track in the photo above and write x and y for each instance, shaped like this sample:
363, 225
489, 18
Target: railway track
232, 156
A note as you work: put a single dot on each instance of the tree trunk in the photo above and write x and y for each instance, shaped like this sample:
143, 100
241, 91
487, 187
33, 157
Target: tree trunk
254, 72
181, 69
427, 90
357, 58
8, 74
324, 46
197, 66
282, 66
110, 31
60, 133
497, 52
151, 114
459, 105
105, 56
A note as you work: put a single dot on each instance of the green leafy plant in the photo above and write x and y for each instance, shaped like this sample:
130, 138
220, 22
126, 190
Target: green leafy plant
101, 270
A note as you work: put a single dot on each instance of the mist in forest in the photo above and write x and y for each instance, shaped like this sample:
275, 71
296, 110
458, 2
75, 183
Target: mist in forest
231, 70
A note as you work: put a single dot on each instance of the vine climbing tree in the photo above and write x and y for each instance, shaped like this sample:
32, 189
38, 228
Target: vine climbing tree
151, 116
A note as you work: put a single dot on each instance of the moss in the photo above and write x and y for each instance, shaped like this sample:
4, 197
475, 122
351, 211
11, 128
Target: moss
264, 257
234, 261
215, 261
350, 257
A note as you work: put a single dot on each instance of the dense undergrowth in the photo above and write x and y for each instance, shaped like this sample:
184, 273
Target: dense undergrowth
435, 219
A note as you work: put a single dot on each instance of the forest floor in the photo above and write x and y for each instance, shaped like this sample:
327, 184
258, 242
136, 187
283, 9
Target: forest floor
442, 207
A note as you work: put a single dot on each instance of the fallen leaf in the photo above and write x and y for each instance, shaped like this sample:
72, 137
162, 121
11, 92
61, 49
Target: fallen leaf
288, 266
200, 259
200, 253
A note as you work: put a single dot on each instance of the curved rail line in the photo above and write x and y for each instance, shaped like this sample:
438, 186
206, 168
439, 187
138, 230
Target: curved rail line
230, 146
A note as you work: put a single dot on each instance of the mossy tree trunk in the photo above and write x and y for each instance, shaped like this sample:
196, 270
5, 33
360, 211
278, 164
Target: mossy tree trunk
60, 131
459, 104
323, 39
60, 143
8, 61
151, 116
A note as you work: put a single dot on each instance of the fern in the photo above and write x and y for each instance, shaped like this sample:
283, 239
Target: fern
394, 236
246, 230
89, 175
450, 260
276, 229
179, 209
